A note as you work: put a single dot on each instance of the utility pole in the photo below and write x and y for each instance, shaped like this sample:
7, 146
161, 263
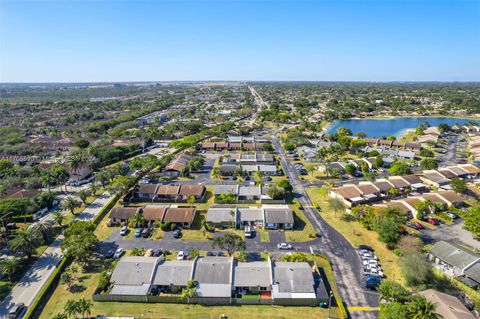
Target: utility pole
330, 303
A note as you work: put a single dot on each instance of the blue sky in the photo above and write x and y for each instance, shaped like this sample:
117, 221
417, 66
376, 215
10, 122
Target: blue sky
107, 40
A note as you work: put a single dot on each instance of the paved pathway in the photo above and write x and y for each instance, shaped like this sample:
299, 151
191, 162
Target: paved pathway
30, 285
454, 233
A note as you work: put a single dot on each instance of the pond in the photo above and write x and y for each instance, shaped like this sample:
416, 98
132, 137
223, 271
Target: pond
391, 126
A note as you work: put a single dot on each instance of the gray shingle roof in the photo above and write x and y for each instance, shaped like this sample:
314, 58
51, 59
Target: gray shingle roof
221, 214
225, 189
173, 273
249, 191
250, 214
134, 270
252, 274
278, 215
293, 277
453, 254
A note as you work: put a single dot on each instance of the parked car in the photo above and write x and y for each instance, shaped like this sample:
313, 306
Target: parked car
110, 253
365, 247
177, 233
419, 225
16, 311
372, 281
412, 225
118, 253
284, 246
123, 231
156, 253
148, 253
146, 232
209, 253
433, 221
181, 255
452, 215
138, 232
248, 232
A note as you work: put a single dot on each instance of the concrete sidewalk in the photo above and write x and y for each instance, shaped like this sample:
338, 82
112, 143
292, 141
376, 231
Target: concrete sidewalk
29, 287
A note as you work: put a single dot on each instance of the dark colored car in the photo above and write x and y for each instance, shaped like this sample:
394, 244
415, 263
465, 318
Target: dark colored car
16, 311
419, 225
209, 253
110, 253
156, 253
177, 233
138, 232
372, 282
412, 225
366, 247
146, 232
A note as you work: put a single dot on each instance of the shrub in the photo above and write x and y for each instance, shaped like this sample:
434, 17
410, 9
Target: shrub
165, 226
173, 226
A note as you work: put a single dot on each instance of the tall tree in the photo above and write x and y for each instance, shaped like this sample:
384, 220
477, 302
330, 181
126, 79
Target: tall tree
25, 242
420, 308
336, 205
70, 204
230, 242
8, 267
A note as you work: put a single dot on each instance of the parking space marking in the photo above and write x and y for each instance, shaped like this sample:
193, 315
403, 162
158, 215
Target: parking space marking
363, 308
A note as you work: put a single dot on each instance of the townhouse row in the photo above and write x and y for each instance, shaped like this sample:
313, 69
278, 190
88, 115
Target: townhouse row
167, 193
267, 216
181, 216
219, 278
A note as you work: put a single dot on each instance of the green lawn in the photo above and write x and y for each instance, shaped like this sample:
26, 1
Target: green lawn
356, 234
302, 228
195, 233
264, 235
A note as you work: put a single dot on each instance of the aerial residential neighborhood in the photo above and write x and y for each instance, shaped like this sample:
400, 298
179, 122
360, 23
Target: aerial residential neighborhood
240, 159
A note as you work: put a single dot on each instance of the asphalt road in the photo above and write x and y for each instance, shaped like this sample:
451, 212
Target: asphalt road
344, 258
454, 233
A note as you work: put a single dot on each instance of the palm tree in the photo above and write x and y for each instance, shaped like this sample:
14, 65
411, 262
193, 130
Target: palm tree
337, 205
93, 188
70, 204
48, 180
138, 219
8, 267
25, 242
216, 173
44, 229
85, 307
420, 308
60, 315
83, 195
58, 217
72, 308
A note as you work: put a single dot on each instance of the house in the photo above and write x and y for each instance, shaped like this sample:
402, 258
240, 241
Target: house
197, 191
293, 280
172, 276
220, 280
268, 170
250, 216
458, 171
278, 217
249, 192
228, 169
153, 213
123, 214
434, 178
182, 216
452, 259
399, 182
415, 182
402, 206
369, 191
145, 192
133, 276
471, 169
348, 194
222, 216
177, 166
225, 189
168, 193
214, 276
252, 277
384, 186
447, 306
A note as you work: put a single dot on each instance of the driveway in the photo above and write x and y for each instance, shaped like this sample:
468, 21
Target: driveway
454, 233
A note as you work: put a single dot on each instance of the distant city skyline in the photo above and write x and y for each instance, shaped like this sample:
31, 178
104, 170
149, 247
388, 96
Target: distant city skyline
245, 40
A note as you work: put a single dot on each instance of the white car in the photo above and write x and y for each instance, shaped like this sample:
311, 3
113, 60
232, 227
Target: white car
284, 246
118, 253
181, 255
123, 231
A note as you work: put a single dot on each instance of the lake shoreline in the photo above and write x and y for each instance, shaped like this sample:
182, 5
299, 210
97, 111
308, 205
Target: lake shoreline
397, 126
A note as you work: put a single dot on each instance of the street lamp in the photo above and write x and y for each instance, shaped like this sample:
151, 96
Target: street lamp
330, 303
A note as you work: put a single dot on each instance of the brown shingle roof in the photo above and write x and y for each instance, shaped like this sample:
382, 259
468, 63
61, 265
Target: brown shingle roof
123, 212
168, 190
434, 198
179, 215
383, 185
412, 179
153, 212
398, 182
472, 169
447, 173
195, 190
367, 189
348, 192
147, 188
452, 197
